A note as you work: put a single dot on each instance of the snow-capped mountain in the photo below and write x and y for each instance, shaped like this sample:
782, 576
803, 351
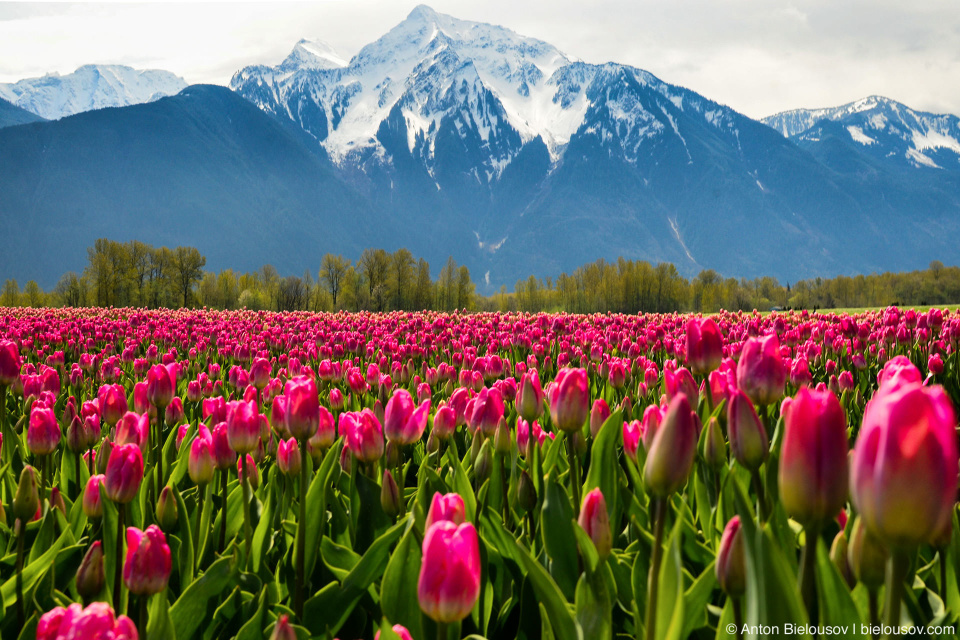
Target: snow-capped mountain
883, 128
94, 86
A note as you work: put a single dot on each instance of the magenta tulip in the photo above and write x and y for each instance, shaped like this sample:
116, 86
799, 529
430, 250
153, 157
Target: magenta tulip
448, 507
569, 399
96, 622
761, 373
530, 396
302, 408
9, 363
124, 473
113, 403
288, 457
161, 386
704, 345
672, 451
595, 521
146, 569
748, 439
731, 566
449, 582
243, 426
43, 432
402, 423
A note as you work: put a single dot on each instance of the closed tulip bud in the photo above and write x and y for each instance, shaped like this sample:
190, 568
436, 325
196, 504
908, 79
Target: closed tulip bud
27, 500
390, 495
448, 507
289, 458
475, 445
671, 453
530, 396
867, 556
487, 411
243, 426
103, 455
838, 555
75, 435
194, 391
92, 505
403, 422
260, 372
632, 434
731, 566
526, 492
748, 439
337, 401
223, 455
598, 415
579, 442
449, 582
56, 501
904, 479
704, 345
365, 437
813, 463
174, 413
200, 463
402, 632
252, 472
167, 515
761, 373
502, 441
146, 569
392, 454
713, 448
326, 433
124, 473
282, 630
161, 386
652, 417
595, 521
444, 422
302, 408
43, 432
570, 400
484, 463
90, 575
9, 363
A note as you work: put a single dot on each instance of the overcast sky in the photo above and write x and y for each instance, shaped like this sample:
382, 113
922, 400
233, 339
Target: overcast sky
758, 56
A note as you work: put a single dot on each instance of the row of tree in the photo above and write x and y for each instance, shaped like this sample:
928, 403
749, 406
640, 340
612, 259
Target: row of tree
137, 274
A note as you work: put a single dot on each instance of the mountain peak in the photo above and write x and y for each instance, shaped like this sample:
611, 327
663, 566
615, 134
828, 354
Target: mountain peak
314, 54
423, 12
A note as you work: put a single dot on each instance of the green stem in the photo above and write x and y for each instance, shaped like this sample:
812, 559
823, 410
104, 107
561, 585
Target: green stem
504, 488
574, 475
942, 555
247, 531
301, 533
76, 475
3, 413
442, 631
223, 509
808, 560
761, 495
142, 619
653, 579
21, 534
897, 567
201, 490
738, 616
118, 564
43, 479
874, 612
159, 452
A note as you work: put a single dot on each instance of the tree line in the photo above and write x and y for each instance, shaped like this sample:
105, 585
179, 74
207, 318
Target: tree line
137, 274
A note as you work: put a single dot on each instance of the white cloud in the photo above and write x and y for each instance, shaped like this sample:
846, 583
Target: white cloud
758, 56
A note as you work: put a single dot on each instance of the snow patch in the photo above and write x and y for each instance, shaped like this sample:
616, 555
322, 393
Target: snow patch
859, 136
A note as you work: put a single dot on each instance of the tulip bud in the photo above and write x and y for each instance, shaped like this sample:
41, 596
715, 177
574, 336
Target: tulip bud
448, 507
502, 440
92, 506
161, 386
243, 426
402, 632
760, 372
867, 556
484, 464
433, 443
43, 433
748, 439
252, 472
90, 575
174, 414
27, 500
526, 492
595, 521
672, 451
569, 399
146, 569
530, 396
475, 445
704, 345
56, 501
449, 582
731, 566
302, 407
282, 630
713, 448
838, 555
288, 457
103, 455
598, 415
124, 473
200, 462
9, 363
904, 478
390, 495
167, 510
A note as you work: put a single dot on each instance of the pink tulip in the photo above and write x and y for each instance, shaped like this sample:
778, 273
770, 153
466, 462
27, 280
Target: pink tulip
444, 422
200, 463
671, 453
260, 372
161, 386
133, 429
449, 582
398, 629
253, 474
364, 435
904, 476
487, 411
899, 371
223, 454
43, 432
243, 426
731, 566
530, 396
704, 345
595, 521
146, 569
92, 506
174, 414
113, 403
748, 439
288, 457
96, 622
569, 399
598, 415
9, 363
632, 433
760, 371
403, 423
124, 473
448, 507
813, 461
215, 409
302, 409
282, 630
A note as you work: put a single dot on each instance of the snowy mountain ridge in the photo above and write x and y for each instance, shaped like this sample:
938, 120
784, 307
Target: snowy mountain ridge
93, 86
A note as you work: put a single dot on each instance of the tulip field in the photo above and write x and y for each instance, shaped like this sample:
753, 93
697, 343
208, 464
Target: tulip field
201, 474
